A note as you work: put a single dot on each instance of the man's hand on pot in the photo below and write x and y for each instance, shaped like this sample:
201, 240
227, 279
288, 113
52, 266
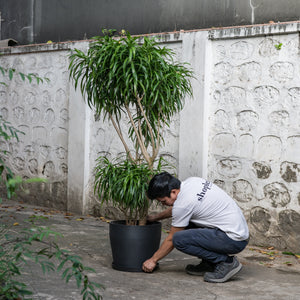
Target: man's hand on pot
152, 218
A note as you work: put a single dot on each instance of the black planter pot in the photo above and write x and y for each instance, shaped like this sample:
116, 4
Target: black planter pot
132, 245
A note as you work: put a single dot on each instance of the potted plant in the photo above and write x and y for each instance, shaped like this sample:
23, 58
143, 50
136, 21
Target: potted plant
123, 79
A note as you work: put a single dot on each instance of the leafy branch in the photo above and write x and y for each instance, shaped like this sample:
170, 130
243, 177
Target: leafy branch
17, 249
10, 72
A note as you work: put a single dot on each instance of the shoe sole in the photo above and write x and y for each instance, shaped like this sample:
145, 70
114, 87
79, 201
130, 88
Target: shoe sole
198, 273
227, 277
195, 273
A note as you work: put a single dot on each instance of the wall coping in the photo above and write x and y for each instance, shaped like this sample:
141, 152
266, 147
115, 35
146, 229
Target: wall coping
171, 37
254, 31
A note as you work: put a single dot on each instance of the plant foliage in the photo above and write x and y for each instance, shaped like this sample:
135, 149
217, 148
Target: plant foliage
119, 75
125, 183
34, 244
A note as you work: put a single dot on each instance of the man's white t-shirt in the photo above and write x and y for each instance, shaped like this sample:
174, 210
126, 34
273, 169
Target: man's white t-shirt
206, 205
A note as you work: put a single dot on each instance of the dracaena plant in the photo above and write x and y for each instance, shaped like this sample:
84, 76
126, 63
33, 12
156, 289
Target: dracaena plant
121, 77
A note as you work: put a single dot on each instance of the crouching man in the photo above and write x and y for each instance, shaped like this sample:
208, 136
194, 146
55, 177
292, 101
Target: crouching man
206, 222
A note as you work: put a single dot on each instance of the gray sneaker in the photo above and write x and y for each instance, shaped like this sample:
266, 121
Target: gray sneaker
223, 271
200, 269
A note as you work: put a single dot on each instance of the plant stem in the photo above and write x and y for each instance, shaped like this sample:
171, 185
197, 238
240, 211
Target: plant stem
119, 132
139, 138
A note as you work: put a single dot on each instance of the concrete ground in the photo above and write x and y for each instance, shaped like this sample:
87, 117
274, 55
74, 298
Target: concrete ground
267, 273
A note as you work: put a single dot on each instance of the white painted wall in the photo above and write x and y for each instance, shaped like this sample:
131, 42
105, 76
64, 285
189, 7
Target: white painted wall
241, 130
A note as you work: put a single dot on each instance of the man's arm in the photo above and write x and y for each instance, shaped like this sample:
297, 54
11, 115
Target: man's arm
165, 248
167, 213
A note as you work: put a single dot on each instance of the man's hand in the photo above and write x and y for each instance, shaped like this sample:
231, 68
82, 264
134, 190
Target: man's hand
152, 218
149, 265
165, 248
167, 213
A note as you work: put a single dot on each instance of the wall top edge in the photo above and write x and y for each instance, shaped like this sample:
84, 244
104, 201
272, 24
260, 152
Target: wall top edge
254, 30
165, 37
35, 48
170, 37
47, 47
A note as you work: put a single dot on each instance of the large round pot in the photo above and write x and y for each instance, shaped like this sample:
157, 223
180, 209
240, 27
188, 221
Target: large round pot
132, 245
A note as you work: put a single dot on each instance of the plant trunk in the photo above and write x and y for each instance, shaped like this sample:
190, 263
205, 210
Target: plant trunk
143, 221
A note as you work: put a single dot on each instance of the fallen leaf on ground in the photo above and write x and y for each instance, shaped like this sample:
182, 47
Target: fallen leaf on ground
291, 253
268, 265
104, 220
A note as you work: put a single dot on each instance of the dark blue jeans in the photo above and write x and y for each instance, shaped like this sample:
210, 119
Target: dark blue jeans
210, 244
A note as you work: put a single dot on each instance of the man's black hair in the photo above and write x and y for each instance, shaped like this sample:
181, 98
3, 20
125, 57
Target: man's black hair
161, 185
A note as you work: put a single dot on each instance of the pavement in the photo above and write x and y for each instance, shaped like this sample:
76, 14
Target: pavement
267, 273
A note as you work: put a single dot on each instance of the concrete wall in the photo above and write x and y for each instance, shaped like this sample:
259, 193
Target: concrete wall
254, 128
241, 130
41, 112
37, 21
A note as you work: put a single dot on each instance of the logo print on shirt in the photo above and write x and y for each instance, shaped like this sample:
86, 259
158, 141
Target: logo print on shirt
206, 186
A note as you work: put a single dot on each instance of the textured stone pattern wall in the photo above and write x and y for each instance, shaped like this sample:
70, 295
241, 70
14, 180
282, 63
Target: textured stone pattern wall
41, 112
254, 137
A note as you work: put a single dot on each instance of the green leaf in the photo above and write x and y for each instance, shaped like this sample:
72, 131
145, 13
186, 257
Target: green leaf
22, 76
11, 74
66, 271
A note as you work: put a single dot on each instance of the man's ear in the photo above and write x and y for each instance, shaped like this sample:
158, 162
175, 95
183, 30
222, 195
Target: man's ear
175, 192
